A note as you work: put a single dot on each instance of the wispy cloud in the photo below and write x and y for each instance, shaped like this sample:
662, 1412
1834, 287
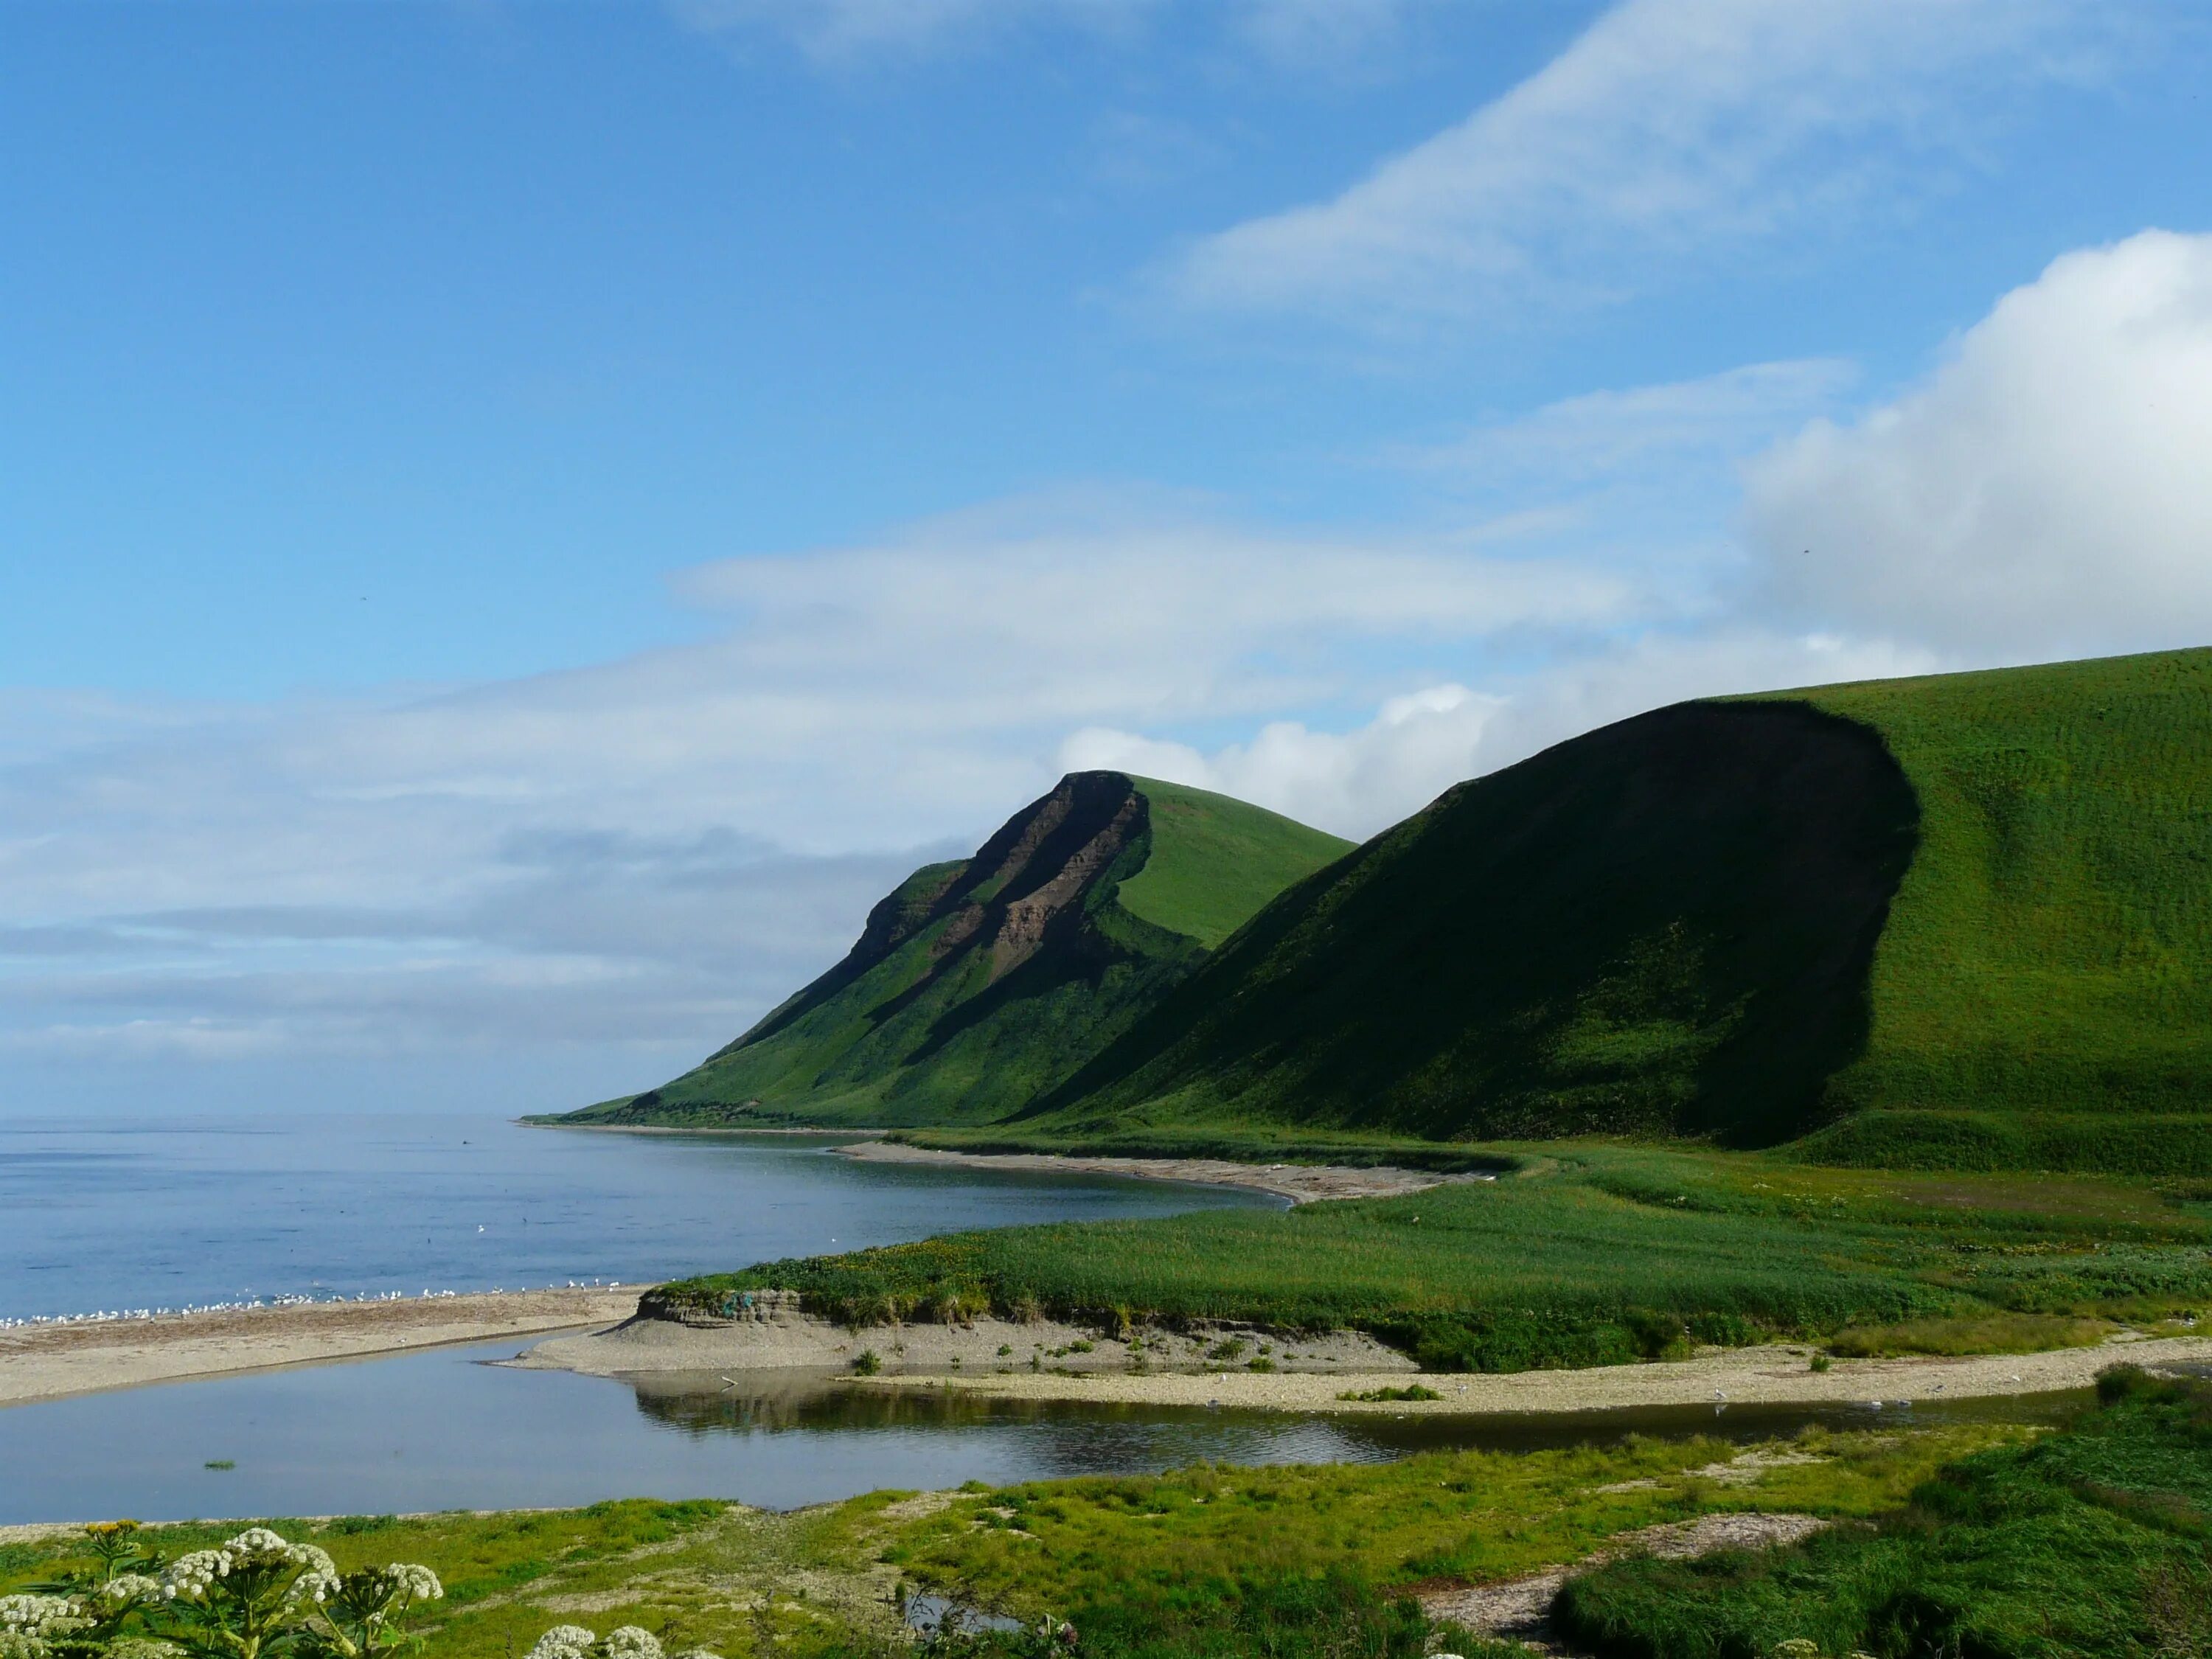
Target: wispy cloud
1603, 437
1668, 133
667, 843
1299, 35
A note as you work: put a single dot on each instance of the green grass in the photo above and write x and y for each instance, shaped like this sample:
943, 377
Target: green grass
2051, 947
2012, 1333
1215, 861
979, 985
1474, 1516
1599, 1254
1954, 921
2090, 1544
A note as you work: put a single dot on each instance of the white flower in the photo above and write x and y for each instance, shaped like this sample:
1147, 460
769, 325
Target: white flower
124, 1589
37, 1617
190, 1575
628, 1642
414, 1584
564, 1642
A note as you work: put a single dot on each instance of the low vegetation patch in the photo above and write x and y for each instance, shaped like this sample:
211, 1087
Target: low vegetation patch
1378, 1396
2091, 1542
1987, 1333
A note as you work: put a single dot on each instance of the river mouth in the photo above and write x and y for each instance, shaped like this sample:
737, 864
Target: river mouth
451, 1429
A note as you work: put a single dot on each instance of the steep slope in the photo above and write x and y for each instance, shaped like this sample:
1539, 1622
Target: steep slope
1971, 909
981, 983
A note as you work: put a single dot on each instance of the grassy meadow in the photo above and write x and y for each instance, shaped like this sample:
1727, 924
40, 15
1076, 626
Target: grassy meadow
2090, 1544
1583, 1254
1196, 1554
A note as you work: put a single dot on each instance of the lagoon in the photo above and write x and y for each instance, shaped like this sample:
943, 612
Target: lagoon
450, 1429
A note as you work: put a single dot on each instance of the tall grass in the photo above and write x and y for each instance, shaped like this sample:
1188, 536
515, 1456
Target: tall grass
1613, 1254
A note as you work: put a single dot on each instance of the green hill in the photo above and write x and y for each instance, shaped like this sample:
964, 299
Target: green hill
1958, 919
981, 983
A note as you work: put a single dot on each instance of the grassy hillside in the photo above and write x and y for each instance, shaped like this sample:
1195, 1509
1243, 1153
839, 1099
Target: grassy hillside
1956, 920
2047, 968
981, 983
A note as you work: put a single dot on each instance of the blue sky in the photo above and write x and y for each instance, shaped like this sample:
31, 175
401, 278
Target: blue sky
522, 518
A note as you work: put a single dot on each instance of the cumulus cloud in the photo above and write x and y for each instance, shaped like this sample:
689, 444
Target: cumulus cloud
2045, 492
1669, 130
1419, 745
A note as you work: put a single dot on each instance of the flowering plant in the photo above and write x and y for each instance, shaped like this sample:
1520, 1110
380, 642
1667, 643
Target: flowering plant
623, 1642
359, 1618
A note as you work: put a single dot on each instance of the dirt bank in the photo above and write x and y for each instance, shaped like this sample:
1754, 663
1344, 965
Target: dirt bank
788, 1340
48, 1362
1743, 1376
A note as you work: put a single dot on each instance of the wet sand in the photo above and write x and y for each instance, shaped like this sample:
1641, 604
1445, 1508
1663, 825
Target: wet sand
50, 1362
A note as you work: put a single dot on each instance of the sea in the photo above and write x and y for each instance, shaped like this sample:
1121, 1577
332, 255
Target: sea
104, 1215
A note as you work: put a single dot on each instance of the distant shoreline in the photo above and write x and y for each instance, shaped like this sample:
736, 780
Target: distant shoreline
57, 1361
679, 1129
1301, 1183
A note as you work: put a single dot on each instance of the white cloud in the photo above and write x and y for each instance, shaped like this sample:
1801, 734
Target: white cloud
665, 845
1670, 129
1418, 745
1352, 782
2047, 492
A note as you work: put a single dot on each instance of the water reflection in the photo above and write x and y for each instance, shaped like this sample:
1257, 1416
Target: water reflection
449, 1429
1070, 1438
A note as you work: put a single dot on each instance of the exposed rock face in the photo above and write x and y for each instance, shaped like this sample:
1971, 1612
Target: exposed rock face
1027, 884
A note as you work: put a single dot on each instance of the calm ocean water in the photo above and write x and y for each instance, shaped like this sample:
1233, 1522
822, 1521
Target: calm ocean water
109, 1213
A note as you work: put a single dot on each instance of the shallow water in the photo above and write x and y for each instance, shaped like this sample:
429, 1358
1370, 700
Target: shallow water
110, 1213
444, 1430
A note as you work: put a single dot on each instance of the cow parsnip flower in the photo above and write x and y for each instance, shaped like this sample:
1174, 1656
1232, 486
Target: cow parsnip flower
565, 1642
39, 1617
629, 1642
414, 1583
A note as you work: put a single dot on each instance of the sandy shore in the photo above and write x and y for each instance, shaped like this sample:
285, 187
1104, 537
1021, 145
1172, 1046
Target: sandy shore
1302, 1183
48, 1362
1741, 1376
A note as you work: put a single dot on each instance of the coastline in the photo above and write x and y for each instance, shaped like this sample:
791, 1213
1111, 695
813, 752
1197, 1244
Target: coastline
678, 1129
56, 1361
1301, 1183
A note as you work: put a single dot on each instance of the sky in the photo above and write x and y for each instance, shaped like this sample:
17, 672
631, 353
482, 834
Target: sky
519, 521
